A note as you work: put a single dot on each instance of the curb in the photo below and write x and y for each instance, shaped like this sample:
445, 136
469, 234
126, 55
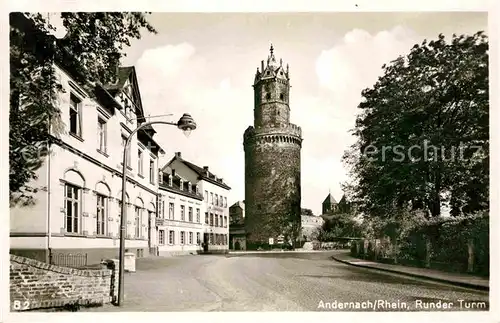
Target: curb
440, 280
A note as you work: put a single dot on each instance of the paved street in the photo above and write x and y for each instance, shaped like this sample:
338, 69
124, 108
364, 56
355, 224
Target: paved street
274, 282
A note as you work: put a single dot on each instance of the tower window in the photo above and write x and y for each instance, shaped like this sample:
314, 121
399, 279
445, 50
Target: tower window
282, 97
268, 96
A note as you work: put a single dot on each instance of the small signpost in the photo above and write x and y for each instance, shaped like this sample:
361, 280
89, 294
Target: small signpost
271, 241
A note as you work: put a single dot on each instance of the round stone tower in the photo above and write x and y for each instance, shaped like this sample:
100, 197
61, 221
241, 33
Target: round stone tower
272, 159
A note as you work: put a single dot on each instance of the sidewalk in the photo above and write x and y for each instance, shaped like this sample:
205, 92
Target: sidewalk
463, 280
241, 252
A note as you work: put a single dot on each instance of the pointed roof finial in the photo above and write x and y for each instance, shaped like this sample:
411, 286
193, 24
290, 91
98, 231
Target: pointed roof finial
271, 49
281, 62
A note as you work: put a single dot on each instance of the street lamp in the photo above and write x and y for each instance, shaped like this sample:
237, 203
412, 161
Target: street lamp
186, 124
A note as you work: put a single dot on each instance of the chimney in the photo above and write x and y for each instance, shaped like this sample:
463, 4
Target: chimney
220, 180
205, 168
178, 154
173, 172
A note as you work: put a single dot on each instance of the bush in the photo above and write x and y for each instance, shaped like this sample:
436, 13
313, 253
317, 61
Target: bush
448, 237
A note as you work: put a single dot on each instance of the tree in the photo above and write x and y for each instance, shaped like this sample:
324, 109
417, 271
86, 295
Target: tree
308, 212
339, 225
423, 134
91, 49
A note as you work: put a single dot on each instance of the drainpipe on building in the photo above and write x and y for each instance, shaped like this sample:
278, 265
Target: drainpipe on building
49, 229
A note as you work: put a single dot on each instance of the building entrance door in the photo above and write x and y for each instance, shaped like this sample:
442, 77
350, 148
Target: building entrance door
205, 242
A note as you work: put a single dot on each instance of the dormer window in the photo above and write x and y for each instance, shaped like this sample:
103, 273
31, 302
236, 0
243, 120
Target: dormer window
197, 190
182, 185
189, 187
170, 180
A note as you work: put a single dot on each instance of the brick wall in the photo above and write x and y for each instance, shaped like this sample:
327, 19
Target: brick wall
35, 284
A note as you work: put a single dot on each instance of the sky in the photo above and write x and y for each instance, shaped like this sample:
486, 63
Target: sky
204, 64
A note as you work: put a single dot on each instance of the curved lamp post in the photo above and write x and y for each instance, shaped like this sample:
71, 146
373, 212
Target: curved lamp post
186, 124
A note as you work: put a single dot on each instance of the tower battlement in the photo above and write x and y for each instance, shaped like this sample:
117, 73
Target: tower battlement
290, 129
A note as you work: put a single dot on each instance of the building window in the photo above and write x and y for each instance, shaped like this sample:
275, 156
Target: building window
216, 220
210, 238
190, 237
163, 209
216, 200
183, 218
212, 198
101, 214
152, 171
161, 237
198, 241
220, 221
75, 115
225, 201
190, 214
197, 215
171, 237
101, 132
211, 219
138, 221
124, 142
171, 211
182, 237
72, 208
206, 217
206, 196
225, 221
140, 166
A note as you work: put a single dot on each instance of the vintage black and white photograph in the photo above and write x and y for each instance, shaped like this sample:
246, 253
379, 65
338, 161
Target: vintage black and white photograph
249, 161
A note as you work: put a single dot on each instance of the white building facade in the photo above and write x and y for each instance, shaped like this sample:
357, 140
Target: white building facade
194, 215
76, 217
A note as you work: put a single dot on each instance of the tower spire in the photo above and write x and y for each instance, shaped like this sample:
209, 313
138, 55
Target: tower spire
271, 60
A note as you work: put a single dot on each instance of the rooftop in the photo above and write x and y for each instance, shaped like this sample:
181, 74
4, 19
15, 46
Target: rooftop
202, 172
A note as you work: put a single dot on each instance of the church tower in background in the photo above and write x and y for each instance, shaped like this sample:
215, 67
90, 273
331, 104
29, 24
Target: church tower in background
272, 159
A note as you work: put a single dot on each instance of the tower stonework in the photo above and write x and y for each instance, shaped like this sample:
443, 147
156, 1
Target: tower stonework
272, 158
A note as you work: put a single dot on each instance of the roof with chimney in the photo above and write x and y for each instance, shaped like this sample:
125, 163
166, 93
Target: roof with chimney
240, 204
176, 186
202, 172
